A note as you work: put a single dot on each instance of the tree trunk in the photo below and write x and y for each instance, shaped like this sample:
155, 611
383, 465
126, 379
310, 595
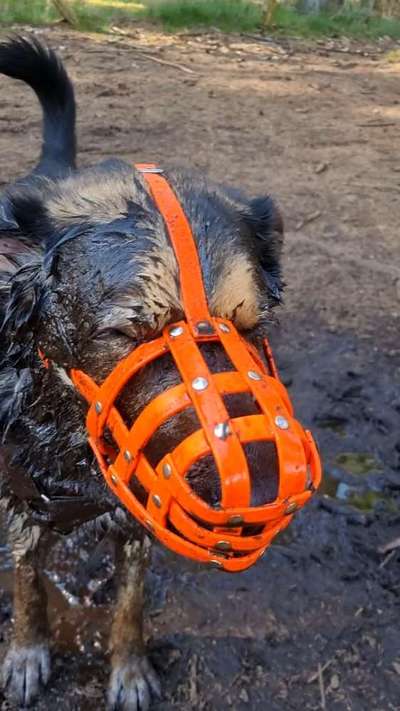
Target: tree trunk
66, 12
268, 16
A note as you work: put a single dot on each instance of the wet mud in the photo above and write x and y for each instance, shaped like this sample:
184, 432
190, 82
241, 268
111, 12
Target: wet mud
318, 617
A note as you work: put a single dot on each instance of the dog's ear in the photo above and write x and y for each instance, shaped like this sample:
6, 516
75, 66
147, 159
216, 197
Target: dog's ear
265, 222
24, 213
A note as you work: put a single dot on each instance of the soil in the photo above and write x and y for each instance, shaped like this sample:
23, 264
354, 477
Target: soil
315, 625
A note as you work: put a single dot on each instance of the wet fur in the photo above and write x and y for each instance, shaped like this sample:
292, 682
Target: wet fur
86, 273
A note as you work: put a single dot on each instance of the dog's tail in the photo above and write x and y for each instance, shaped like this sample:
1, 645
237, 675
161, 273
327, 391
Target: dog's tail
40, 68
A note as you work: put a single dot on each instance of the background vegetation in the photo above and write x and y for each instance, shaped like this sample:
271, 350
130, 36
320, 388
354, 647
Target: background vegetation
358, 18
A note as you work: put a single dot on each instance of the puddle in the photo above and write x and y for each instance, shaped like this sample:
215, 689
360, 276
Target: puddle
335, 423
359, 497
368, 501
357, 462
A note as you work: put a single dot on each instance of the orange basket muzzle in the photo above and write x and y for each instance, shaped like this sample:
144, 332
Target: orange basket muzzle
221, 536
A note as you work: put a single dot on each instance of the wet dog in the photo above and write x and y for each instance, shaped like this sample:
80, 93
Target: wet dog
87, 273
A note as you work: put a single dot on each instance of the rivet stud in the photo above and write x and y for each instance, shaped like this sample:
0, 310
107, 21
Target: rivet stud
167, 470
157, 501
222, 430
235, 520
223, 546
199, 384
224, 328
127, 456
204, 327
98, 407
253, 375
176, 331
114, 479
281, 422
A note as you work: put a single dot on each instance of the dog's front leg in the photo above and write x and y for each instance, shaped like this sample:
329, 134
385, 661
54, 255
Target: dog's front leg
27, 663
133, 679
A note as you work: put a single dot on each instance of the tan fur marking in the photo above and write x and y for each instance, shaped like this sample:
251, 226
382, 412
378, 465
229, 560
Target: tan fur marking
236, 295
89, 197
160, 302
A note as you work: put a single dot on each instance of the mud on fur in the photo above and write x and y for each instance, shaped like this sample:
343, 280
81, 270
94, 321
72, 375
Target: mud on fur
87, 273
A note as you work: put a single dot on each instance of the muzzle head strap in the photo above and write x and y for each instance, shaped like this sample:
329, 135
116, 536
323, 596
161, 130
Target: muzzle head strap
233, 535
191, 280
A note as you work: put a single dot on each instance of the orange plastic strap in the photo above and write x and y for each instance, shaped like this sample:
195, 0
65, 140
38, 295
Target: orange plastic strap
190, 276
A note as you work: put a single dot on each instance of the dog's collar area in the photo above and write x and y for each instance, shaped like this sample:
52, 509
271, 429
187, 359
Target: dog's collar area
233, 535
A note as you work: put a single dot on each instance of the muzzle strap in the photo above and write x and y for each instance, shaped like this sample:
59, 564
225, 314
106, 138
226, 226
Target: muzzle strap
191, 280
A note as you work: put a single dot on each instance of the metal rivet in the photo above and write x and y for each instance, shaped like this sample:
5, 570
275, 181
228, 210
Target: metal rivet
176, 331
167, 470
224, 328
235, 520
204, 327
291, 508
157, 501
127, 455
216, 564
253, 375
199, 384
114, 479
281, 422
223, 546
149, 525
222, 430
98, 407
262, 553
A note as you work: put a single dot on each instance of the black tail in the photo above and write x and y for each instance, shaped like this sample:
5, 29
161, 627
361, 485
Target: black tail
42, 70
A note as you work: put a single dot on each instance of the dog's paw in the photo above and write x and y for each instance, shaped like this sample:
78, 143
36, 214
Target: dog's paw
132, 685
25, 670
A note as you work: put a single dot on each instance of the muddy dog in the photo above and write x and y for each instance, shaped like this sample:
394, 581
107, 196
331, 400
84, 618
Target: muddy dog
87, 273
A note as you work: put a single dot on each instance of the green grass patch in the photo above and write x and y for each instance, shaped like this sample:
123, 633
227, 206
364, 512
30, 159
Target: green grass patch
91, 15
34, 12
357, 24
227, 15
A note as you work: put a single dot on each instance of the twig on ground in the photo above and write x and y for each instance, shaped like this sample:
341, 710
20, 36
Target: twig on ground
315, 676
387, 559
152, 58
308, 218
262, 38
321, 687
377, 124
146, 54
390, 546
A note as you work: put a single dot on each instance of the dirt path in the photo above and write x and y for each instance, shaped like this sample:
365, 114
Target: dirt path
320, 130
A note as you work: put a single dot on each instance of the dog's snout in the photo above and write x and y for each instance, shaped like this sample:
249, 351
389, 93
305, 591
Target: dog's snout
203, 476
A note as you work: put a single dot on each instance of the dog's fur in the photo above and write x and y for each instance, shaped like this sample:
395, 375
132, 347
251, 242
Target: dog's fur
86, 273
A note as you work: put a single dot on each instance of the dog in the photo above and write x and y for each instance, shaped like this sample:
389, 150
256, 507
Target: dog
86, 274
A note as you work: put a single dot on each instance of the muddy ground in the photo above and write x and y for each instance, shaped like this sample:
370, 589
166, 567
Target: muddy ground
319, 127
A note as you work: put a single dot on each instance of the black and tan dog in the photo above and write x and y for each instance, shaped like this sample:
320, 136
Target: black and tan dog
87, 273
